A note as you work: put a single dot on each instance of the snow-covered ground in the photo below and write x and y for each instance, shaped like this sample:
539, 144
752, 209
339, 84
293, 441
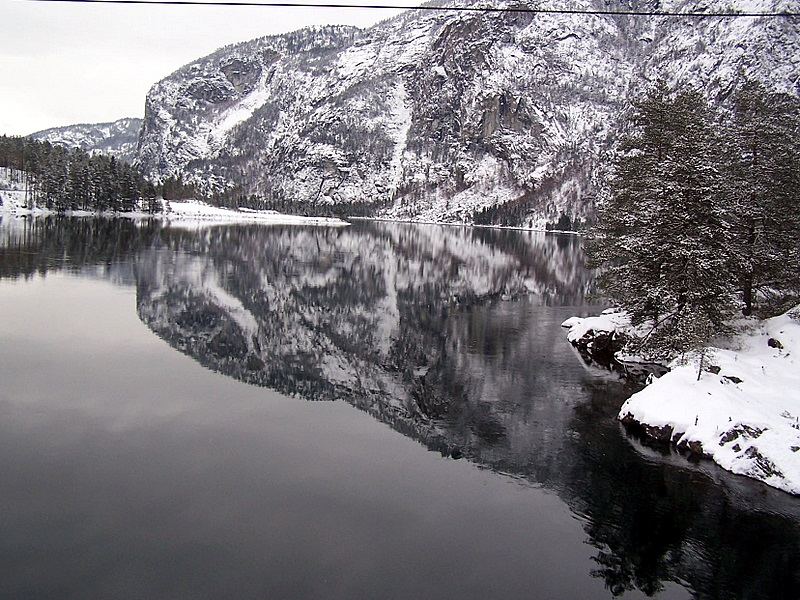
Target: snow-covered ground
743, 411
195, 211
12, 202
189, 212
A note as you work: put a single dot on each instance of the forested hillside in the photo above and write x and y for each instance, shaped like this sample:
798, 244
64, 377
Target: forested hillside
59, 179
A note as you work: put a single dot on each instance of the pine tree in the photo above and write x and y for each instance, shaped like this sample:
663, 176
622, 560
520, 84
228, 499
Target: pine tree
151, 198
660, 239
762, 156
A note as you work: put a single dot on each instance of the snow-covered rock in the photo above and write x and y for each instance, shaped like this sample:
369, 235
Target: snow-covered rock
611, 322
744, 410
604, 339
444, 116
118, 138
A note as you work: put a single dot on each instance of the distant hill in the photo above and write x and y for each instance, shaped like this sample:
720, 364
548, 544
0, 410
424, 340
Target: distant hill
118, 138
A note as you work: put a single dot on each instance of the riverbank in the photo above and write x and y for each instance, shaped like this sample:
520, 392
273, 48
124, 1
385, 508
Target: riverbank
192, 211
738, 403
459, 224
181, 214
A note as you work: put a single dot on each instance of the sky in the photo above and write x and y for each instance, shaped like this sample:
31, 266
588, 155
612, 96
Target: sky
62, 64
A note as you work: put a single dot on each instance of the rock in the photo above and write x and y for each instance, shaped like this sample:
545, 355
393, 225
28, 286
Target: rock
732, 378
743, 431
434, 115
762, 466
254, 363
773, 343
694, 448
659, 435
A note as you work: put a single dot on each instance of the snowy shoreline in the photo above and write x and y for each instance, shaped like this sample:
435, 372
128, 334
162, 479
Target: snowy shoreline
179, 214
738, 405
192, 211
458, 224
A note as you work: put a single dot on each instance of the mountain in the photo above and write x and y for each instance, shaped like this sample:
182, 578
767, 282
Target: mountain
118, 138
445, 116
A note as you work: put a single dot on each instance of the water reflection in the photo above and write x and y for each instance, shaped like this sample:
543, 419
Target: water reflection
450, 336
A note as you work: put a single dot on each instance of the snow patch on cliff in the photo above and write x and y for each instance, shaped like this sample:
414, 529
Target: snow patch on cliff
239, 112
401, 111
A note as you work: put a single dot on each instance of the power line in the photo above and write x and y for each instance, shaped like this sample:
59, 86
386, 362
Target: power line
477, 9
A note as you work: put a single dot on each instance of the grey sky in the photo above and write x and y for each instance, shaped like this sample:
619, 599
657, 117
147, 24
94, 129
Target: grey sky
75, 63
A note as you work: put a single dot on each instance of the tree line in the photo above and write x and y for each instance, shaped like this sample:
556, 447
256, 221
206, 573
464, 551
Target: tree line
700, 216
61, 179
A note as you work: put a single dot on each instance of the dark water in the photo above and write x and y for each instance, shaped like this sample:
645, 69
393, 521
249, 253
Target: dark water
382, 411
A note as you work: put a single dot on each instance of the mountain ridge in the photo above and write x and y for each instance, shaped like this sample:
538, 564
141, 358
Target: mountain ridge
468, 117
117, 138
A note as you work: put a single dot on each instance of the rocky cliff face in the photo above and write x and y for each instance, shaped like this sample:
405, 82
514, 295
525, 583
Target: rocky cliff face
444, 116
119, 138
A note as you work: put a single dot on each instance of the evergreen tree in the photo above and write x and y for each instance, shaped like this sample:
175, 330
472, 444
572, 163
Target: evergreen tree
762, 157
150, 198
61, 179
661, 236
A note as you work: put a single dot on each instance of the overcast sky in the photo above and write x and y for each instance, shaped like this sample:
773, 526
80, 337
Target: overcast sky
78, 63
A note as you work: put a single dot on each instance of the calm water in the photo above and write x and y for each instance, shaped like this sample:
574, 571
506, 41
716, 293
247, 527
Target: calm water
384, 411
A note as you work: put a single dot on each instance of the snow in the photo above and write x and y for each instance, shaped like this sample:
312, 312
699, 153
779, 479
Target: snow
240, 112
194, 211
743, 412
611, 320
746, 416
355, 61
13, 201
402, 115
189, 212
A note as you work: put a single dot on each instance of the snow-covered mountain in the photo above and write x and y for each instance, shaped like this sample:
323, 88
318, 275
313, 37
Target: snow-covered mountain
118, 138
497, 117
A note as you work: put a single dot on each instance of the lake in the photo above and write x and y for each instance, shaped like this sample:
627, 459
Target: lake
380, 411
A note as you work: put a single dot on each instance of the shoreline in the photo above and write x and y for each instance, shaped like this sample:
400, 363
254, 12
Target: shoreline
465, 225
736, 403
180, 214
183, 212
221, 216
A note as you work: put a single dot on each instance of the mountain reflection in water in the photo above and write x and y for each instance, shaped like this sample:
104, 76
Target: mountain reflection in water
451, 336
